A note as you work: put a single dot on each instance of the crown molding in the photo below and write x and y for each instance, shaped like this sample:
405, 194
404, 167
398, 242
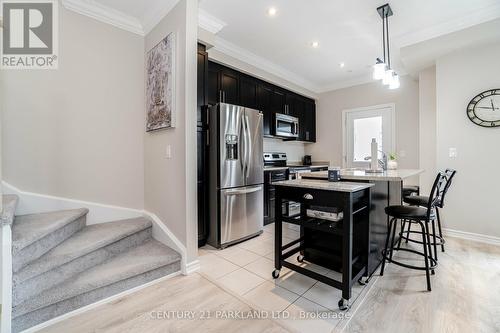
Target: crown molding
209, 22
105, 14
244, 55
472, 18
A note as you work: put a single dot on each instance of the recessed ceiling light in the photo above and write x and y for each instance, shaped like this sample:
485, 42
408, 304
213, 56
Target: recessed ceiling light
272, 11
315, 44
341, 65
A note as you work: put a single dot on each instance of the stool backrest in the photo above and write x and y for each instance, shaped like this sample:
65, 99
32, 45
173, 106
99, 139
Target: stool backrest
449, 174
437, 192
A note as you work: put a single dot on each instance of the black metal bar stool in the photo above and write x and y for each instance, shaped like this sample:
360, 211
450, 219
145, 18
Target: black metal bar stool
420, 200
418, 215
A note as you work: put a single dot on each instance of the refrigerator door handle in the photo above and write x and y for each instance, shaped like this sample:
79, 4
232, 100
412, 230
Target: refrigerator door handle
241, 147
244, 191
248, 141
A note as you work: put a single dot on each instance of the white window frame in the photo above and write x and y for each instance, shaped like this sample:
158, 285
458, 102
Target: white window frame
345, 113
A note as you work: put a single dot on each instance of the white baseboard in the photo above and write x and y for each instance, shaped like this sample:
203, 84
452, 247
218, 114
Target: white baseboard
192, 267
96, 304
30, 203
472, 236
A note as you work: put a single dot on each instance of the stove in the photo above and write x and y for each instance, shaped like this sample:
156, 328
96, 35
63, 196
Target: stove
275, 159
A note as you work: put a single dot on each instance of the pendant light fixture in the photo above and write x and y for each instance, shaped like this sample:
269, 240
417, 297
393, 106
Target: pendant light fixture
382, 69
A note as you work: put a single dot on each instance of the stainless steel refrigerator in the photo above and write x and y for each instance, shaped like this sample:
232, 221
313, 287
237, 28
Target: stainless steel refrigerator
236, 174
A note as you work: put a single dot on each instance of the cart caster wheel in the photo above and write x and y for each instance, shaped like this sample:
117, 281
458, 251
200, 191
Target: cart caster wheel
344, 305
361, 282
276, 274
300, 258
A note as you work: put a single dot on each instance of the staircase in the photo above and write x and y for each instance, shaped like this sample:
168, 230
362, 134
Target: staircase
61, 264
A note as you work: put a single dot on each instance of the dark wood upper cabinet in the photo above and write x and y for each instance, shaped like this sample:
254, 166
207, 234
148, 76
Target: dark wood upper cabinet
310, 121
213, 84
278, 101
230, 86
264, 96
248, 92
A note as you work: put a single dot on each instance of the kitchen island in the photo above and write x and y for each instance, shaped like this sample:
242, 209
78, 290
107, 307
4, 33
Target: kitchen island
338, 240
386, 190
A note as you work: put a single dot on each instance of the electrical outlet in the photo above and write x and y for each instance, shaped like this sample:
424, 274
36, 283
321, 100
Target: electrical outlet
168, 152
402, 153
453, 152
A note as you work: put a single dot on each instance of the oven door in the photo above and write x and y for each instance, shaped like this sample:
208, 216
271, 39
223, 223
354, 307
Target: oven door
286, 126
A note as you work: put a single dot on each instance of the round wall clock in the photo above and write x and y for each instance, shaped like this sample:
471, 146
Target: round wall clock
484, 109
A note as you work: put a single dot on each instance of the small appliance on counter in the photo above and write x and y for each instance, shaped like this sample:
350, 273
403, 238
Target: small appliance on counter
307, 160
333, 174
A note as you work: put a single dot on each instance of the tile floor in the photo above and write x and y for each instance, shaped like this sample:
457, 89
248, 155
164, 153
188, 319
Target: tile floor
245, 270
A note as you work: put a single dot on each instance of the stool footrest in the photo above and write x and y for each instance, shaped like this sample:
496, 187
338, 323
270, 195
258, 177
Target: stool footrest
440, 241
433, 263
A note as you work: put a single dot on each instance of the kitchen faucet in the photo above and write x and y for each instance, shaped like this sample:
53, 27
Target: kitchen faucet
382, 162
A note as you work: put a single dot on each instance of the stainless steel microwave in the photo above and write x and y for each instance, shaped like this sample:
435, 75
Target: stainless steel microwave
287, 126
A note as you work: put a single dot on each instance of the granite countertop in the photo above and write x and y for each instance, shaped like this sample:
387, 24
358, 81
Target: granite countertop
348, 174
325, 185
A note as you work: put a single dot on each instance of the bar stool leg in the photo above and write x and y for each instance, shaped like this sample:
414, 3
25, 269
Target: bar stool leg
440, 231
386, 246
435, 240
429, 243
401, 235
393, 238
408, 233
426, 257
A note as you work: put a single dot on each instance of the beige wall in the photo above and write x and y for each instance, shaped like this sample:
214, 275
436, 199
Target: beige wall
427, 128
170, 184
76, 132
472, 204
329, 119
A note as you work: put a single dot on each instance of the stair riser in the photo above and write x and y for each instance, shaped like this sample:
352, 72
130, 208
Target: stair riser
34, 251
24, 321
22, 290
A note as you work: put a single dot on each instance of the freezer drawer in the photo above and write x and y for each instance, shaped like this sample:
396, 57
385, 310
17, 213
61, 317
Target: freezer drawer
241, 212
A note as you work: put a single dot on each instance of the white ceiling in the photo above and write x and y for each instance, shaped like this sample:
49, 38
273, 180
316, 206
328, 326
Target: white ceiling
348, 31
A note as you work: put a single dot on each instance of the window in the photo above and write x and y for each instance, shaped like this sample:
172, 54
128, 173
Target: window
360, 126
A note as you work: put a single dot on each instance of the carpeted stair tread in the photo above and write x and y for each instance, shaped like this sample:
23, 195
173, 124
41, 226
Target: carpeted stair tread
85, 241
9, 204
27, 229
134, 262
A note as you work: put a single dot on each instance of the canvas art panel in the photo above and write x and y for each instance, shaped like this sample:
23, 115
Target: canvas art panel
160, 81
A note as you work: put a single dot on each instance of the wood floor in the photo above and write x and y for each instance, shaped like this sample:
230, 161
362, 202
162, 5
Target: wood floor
465, 298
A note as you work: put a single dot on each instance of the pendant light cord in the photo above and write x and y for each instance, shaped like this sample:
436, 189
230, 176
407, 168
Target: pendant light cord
383, 37
388, 47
